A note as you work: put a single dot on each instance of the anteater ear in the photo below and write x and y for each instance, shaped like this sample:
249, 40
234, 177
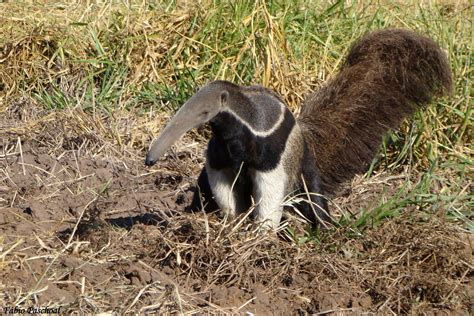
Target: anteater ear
224, 97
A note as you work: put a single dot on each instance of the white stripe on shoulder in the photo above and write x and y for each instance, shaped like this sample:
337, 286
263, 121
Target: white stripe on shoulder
253, 130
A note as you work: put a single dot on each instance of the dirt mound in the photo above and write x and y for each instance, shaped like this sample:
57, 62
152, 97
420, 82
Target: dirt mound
86, 231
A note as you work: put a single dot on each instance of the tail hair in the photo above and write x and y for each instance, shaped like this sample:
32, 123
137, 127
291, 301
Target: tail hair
386, 76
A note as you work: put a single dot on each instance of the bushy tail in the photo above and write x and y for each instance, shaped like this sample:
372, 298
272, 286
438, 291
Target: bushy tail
387, 75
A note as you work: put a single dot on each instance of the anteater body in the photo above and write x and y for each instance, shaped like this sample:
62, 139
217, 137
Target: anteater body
260, 153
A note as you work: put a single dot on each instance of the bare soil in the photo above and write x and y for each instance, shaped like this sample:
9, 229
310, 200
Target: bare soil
86, 226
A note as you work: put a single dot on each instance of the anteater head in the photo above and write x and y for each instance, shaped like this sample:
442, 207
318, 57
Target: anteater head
199, 109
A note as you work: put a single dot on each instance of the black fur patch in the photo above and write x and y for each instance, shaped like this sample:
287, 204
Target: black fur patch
234, 143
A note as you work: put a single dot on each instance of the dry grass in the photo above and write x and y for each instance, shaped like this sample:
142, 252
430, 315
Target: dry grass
83, 88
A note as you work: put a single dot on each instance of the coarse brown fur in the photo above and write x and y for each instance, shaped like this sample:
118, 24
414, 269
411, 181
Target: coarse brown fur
386, 76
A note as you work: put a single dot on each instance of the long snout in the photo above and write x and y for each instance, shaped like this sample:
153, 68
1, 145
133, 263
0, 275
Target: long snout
187, 118
199, 109
173, 131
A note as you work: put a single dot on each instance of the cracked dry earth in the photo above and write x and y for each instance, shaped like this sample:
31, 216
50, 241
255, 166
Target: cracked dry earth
89, 232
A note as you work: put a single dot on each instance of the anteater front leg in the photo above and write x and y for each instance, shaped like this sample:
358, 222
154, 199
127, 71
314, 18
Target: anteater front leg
269, 192
230, 190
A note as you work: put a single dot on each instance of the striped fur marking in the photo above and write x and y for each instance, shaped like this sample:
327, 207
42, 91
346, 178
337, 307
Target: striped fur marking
254, 131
